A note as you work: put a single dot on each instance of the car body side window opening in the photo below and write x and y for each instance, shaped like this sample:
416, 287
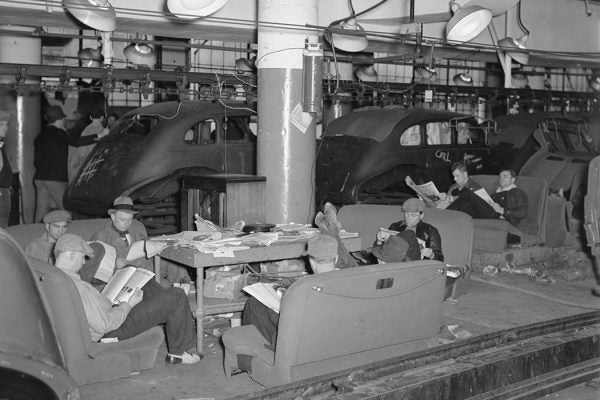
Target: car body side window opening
438, 133
202, 133
411, 136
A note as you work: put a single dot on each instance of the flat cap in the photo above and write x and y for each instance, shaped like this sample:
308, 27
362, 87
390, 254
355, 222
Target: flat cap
57, 216
413, 205
70, 242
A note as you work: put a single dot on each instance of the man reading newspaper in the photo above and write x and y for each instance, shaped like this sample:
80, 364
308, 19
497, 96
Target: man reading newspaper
144, 309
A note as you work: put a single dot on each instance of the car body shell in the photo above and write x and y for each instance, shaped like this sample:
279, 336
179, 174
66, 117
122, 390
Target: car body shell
552, 146
30, 357
149, 148
361, 157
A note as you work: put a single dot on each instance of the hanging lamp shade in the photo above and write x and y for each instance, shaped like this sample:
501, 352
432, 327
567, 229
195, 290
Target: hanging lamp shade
516, 48
467, 22
140, 54
191, 9
97, 14
91, 58
594, 82
353, 41
245, 66
366, 73
463, 79
426, 73
519, 80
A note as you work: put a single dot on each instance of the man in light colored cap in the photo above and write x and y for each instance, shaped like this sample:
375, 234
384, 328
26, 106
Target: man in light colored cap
147, 307
55, 225
428, 236
129, 238
51, 149
6, 175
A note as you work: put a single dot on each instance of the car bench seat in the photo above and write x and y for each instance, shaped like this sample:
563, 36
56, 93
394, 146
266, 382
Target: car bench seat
491, 234
345, 318
455, 228
89, 362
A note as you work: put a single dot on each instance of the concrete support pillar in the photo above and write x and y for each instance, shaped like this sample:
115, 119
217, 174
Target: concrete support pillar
24, 105
286, 135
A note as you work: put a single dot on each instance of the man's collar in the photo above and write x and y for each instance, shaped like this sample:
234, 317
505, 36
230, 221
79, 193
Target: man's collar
506, 188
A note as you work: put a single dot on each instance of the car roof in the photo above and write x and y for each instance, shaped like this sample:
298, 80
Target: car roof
378, 123
517, 128
170, 109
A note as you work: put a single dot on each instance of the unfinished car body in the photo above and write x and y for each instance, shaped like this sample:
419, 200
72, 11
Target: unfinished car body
552, 146
365, 156
150, 147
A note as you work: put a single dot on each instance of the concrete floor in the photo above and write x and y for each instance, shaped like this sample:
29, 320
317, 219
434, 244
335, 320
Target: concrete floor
493, 302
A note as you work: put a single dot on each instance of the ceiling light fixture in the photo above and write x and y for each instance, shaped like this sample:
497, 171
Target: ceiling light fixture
467, 22
594, 82
519, 80
517, 48
428, 72
191, 9
366, 73
348, 36
91, 58
140, 54
244, 65
97, 14
463, 79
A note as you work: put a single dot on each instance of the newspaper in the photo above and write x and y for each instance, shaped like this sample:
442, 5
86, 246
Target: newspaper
484, 195
428, 192
124, 282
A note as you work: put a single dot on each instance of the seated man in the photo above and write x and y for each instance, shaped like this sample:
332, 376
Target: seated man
55, 224
428, 236
147, 308
128, 237
510, 202
462, 195
322, 256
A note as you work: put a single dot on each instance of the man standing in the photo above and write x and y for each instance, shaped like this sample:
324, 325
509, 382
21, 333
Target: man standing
144, 310
55, 224
6, 175
50, 161
428, 236
128, 237
77, 155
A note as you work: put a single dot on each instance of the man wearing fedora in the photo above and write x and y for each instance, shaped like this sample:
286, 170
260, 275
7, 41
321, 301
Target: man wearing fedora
51, 149
128, 236
428, 236
147, 308
55, 225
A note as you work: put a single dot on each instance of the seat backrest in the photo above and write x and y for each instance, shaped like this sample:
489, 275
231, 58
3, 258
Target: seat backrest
355, 310
537, 196
26, 233
456, 228
66, 310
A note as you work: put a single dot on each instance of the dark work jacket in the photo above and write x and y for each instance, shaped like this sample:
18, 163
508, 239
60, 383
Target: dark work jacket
428, 233
515, 204
52, 152
6, 176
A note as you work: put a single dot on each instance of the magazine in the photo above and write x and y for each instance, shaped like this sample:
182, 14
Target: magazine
428, 192
124, 282
266, 294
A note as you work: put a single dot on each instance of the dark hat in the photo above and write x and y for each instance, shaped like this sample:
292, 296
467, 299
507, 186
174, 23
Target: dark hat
57, 216
97, 113
413, 205
398, 248
123, 203
322, 247
54, 113
70, 242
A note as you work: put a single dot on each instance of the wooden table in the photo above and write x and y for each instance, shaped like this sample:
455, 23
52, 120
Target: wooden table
195, 259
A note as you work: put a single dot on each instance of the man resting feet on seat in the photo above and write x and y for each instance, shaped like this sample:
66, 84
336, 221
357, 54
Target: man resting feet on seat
147, 308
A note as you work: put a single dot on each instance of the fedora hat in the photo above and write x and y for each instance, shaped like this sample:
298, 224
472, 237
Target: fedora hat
122, 203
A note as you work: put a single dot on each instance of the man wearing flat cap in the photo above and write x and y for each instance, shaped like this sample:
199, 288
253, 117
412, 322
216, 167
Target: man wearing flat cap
55, 225
6, 175
428, 236
51, 149
129, 238
147, 307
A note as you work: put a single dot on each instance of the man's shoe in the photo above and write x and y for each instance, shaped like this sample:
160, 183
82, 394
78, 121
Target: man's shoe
185, 358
